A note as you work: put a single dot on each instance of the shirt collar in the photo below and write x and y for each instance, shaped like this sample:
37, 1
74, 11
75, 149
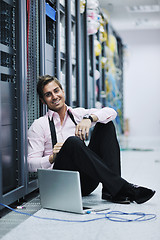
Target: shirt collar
53, 114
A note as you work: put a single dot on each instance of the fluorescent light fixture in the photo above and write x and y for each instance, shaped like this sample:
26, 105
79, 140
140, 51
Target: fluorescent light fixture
143, 8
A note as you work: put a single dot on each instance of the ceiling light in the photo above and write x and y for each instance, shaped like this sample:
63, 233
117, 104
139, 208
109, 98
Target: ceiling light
143, 8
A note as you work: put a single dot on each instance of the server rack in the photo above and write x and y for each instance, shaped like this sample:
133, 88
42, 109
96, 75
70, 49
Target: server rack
85, 60
103, 70
50, 37
120, 83
33, 71
113, 97
12, 101
114, 78
68, 68
98, 66
92, 66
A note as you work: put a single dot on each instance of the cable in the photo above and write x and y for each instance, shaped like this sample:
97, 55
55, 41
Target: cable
114, 216
55, 219
139, 217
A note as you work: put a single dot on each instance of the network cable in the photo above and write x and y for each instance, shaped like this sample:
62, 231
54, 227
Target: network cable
115, 216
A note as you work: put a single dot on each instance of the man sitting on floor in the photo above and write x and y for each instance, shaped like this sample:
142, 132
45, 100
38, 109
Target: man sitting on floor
56, 140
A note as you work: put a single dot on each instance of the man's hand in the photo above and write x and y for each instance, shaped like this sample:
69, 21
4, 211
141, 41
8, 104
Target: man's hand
56, 149
82, 129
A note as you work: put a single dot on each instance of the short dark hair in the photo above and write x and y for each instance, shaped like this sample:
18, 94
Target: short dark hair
44, 80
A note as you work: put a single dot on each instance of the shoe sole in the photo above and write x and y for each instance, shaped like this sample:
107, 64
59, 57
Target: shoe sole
122, 202
109, 199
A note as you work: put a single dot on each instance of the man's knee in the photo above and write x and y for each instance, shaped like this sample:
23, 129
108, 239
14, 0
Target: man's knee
72, 141
102, 126
103, 129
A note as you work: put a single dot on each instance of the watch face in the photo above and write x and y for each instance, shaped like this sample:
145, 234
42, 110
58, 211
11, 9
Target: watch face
87, 116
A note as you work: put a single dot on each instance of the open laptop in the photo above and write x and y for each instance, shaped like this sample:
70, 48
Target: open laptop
61, 190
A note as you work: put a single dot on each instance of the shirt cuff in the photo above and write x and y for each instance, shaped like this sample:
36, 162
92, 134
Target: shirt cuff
105, 118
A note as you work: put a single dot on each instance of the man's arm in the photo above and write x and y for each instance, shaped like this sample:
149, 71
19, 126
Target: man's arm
39, 147
105, 114
82, 129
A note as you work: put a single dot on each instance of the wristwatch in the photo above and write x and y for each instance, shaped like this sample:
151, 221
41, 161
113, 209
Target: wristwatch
87, 116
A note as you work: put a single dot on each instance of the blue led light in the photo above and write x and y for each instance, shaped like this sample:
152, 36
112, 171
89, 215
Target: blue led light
50, 12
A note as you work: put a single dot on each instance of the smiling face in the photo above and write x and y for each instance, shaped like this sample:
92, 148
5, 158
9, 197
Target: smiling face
54, 97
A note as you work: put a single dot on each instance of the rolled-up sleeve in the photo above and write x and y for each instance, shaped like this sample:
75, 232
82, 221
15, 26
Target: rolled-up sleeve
105, 114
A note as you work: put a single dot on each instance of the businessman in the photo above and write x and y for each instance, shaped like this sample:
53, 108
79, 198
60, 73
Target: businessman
57, 140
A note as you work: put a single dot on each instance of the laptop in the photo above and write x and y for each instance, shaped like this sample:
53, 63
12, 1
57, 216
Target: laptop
61, 190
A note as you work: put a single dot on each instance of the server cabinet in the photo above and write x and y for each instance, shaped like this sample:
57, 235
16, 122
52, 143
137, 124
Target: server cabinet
114, 77
50, 7
8, 145
12, 127
69, 50
41, 60
92, 69
34, 36
33, 66
85, 60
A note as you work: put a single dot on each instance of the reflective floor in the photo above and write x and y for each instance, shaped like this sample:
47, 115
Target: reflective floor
140, 165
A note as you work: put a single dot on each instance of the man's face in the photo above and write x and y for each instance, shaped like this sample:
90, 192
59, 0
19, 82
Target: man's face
53, 96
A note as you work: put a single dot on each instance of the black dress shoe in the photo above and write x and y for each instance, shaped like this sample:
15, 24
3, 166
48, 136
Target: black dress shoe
118, 199
139, 194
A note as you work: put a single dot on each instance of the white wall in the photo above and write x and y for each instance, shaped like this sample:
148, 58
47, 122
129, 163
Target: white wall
142, 82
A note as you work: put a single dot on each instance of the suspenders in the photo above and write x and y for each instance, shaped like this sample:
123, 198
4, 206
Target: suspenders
52, 127
71, 116
53, 131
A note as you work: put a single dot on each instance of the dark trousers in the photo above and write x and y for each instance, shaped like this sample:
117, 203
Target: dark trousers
97, 162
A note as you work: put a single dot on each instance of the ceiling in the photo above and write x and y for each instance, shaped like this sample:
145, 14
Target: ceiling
129, 14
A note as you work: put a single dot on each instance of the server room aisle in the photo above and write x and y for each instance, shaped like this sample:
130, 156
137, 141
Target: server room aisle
140, 165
